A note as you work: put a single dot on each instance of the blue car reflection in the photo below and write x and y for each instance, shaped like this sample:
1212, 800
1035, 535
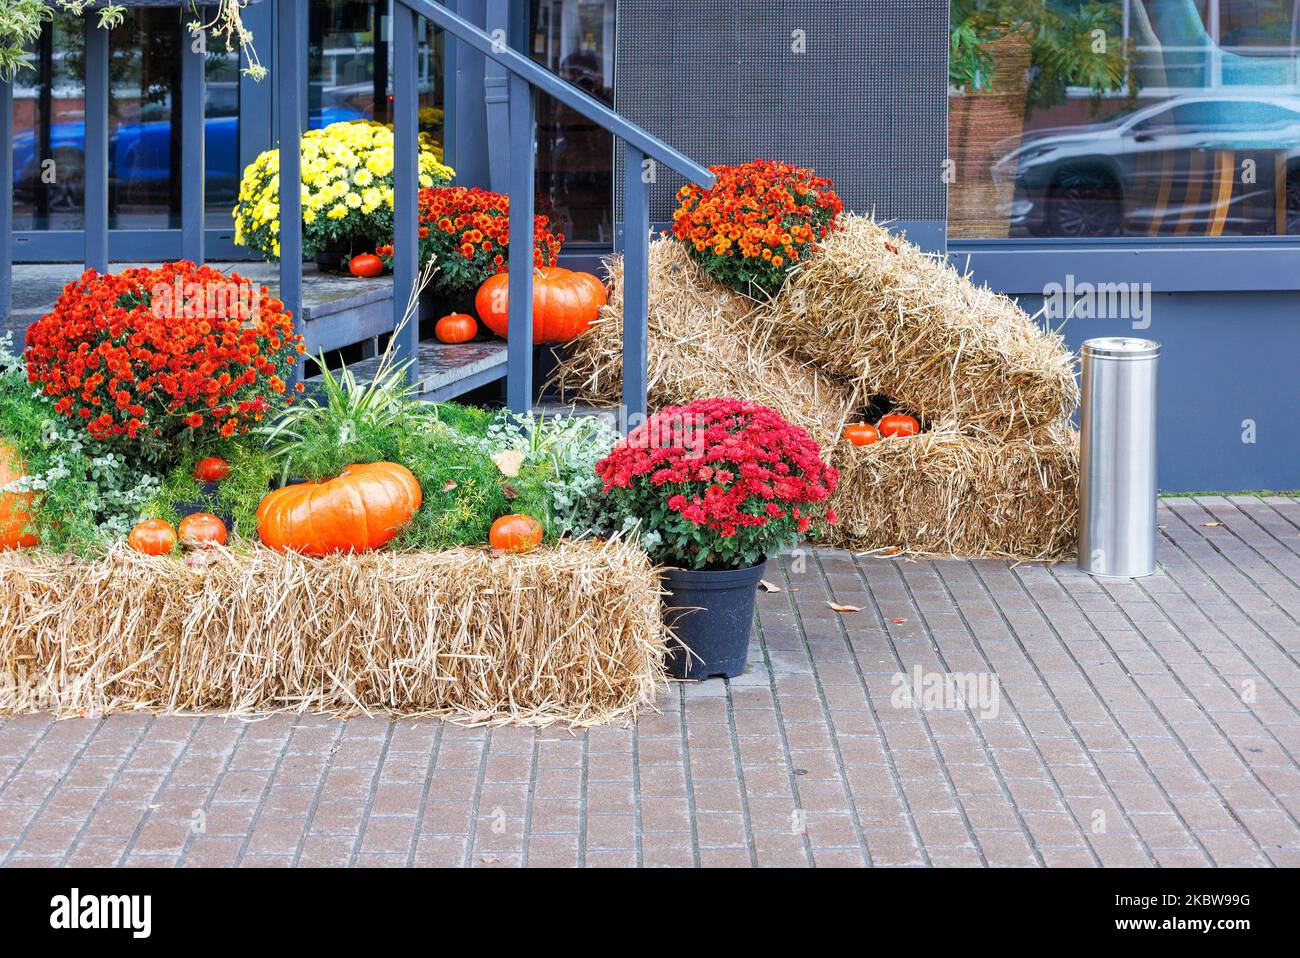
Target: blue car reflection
139, 160
1200, 165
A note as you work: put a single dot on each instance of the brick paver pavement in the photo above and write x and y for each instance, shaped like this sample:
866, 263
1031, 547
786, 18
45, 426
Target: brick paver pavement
1143, 722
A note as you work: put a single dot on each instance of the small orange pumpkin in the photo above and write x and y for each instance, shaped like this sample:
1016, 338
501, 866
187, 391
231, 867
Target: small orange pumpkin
202, 528
153, 537
362, 509
516, 534
365, 265
861, 433
455, 328
564, 303
896, 424
211, 469
15, 516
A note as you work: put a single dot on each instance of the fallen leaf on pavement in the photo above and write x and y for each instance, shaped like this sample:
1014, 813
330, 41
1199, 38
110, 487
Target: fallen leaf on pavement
844, 608
768, 586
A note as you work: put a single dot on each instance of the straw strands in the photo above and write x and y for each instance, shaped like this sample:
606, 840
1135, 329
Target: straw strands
568, 634
948, 494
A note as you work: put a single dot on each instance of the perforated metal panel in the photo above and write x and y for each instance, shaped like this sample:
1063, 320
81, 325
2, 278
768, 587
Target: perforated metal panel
865, 103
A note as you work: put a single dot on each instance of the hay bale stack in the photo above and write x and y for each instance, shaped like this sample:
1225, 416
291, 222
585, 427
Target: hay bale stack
948, 493
898, 322
566, 634
995, 473
701, 344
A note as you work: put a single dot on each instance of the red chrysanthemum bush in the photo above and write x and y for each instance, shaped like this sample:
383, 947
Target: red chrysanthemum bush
717, 484
757, 223
468, 230
145, 356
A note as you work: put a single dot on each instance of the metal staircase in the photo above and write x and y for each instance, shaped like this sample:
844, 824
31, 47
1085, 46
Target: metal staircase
327, 322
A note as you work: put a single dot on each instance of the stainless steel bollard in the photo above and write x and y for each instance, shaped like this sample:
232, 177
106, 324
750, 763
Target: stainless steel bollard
1117, 482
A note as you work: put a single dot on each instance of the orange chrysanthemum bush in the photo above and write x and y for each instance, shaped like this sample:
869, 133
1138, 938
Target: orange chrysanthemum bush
467, 231
757, 223
146, 357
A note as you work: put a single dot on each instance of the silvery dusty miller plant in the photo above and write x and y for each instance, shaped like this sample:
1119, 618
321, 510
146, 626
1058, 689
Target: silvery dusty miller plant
571, 445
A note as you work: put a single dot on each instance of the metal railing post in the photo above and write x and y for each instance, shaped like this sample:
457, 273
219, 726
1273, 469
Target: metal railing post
192, 155
292, 51
519, 357
636, 285
6, 199
496, 100
95, 162
406, 179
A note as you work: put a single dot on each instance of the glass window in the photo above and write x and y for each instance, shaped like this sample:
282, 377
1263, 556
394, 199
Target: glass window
575, 157
350, 79
144, 121
49, 180
1124, 118
221, 132
350, 75
143, 126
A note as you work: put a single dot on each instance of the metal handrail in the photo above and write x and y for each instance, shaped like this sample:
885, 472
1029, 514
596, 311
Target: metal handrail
641, 152
571, 96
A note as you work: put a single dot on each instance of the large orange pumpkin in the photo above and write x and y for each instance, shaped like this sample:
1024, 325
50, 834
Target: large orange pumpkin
564, 303
14, 506
362, 509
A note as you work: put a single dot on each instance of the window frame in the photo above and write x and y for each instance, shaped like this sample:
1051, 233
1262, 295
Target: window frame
1025, 265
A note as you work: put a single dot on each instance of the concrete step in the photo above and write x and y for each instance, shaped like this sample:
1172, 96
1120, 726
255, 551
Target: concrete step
445, 371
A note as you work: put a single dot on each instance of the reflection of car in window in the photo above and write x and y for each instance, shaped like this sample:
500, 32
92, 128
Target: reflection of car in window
139, 156
1176, 165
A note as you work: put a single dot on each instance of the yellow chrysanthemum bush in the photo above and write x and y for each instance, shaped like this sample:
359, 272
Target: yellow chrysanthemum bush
347, 189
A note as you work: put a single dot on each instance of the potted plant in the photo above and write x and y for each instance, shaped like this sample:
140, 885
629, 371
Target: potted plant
714, 489
759, 221
467, 233
347, 173
1007, 58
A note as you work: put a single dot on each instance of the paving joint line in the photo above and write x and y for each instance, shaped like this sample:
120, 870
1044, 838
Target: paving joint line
370, 797
1037, 751
314, 805
734, 740
471, 846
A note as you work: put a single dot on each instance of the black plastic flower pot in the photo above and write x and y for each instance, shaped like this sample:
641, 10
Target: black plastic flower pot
336, 257
712, 614
434, 306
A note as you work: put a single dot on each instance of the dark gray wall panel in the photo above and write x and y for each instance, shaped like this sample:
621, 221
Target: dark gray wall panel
866, 104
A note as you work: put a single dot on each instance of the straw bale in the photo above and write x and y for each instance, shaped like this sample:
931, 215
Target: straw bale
570, 634
700, 345
896, 321
946, 493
